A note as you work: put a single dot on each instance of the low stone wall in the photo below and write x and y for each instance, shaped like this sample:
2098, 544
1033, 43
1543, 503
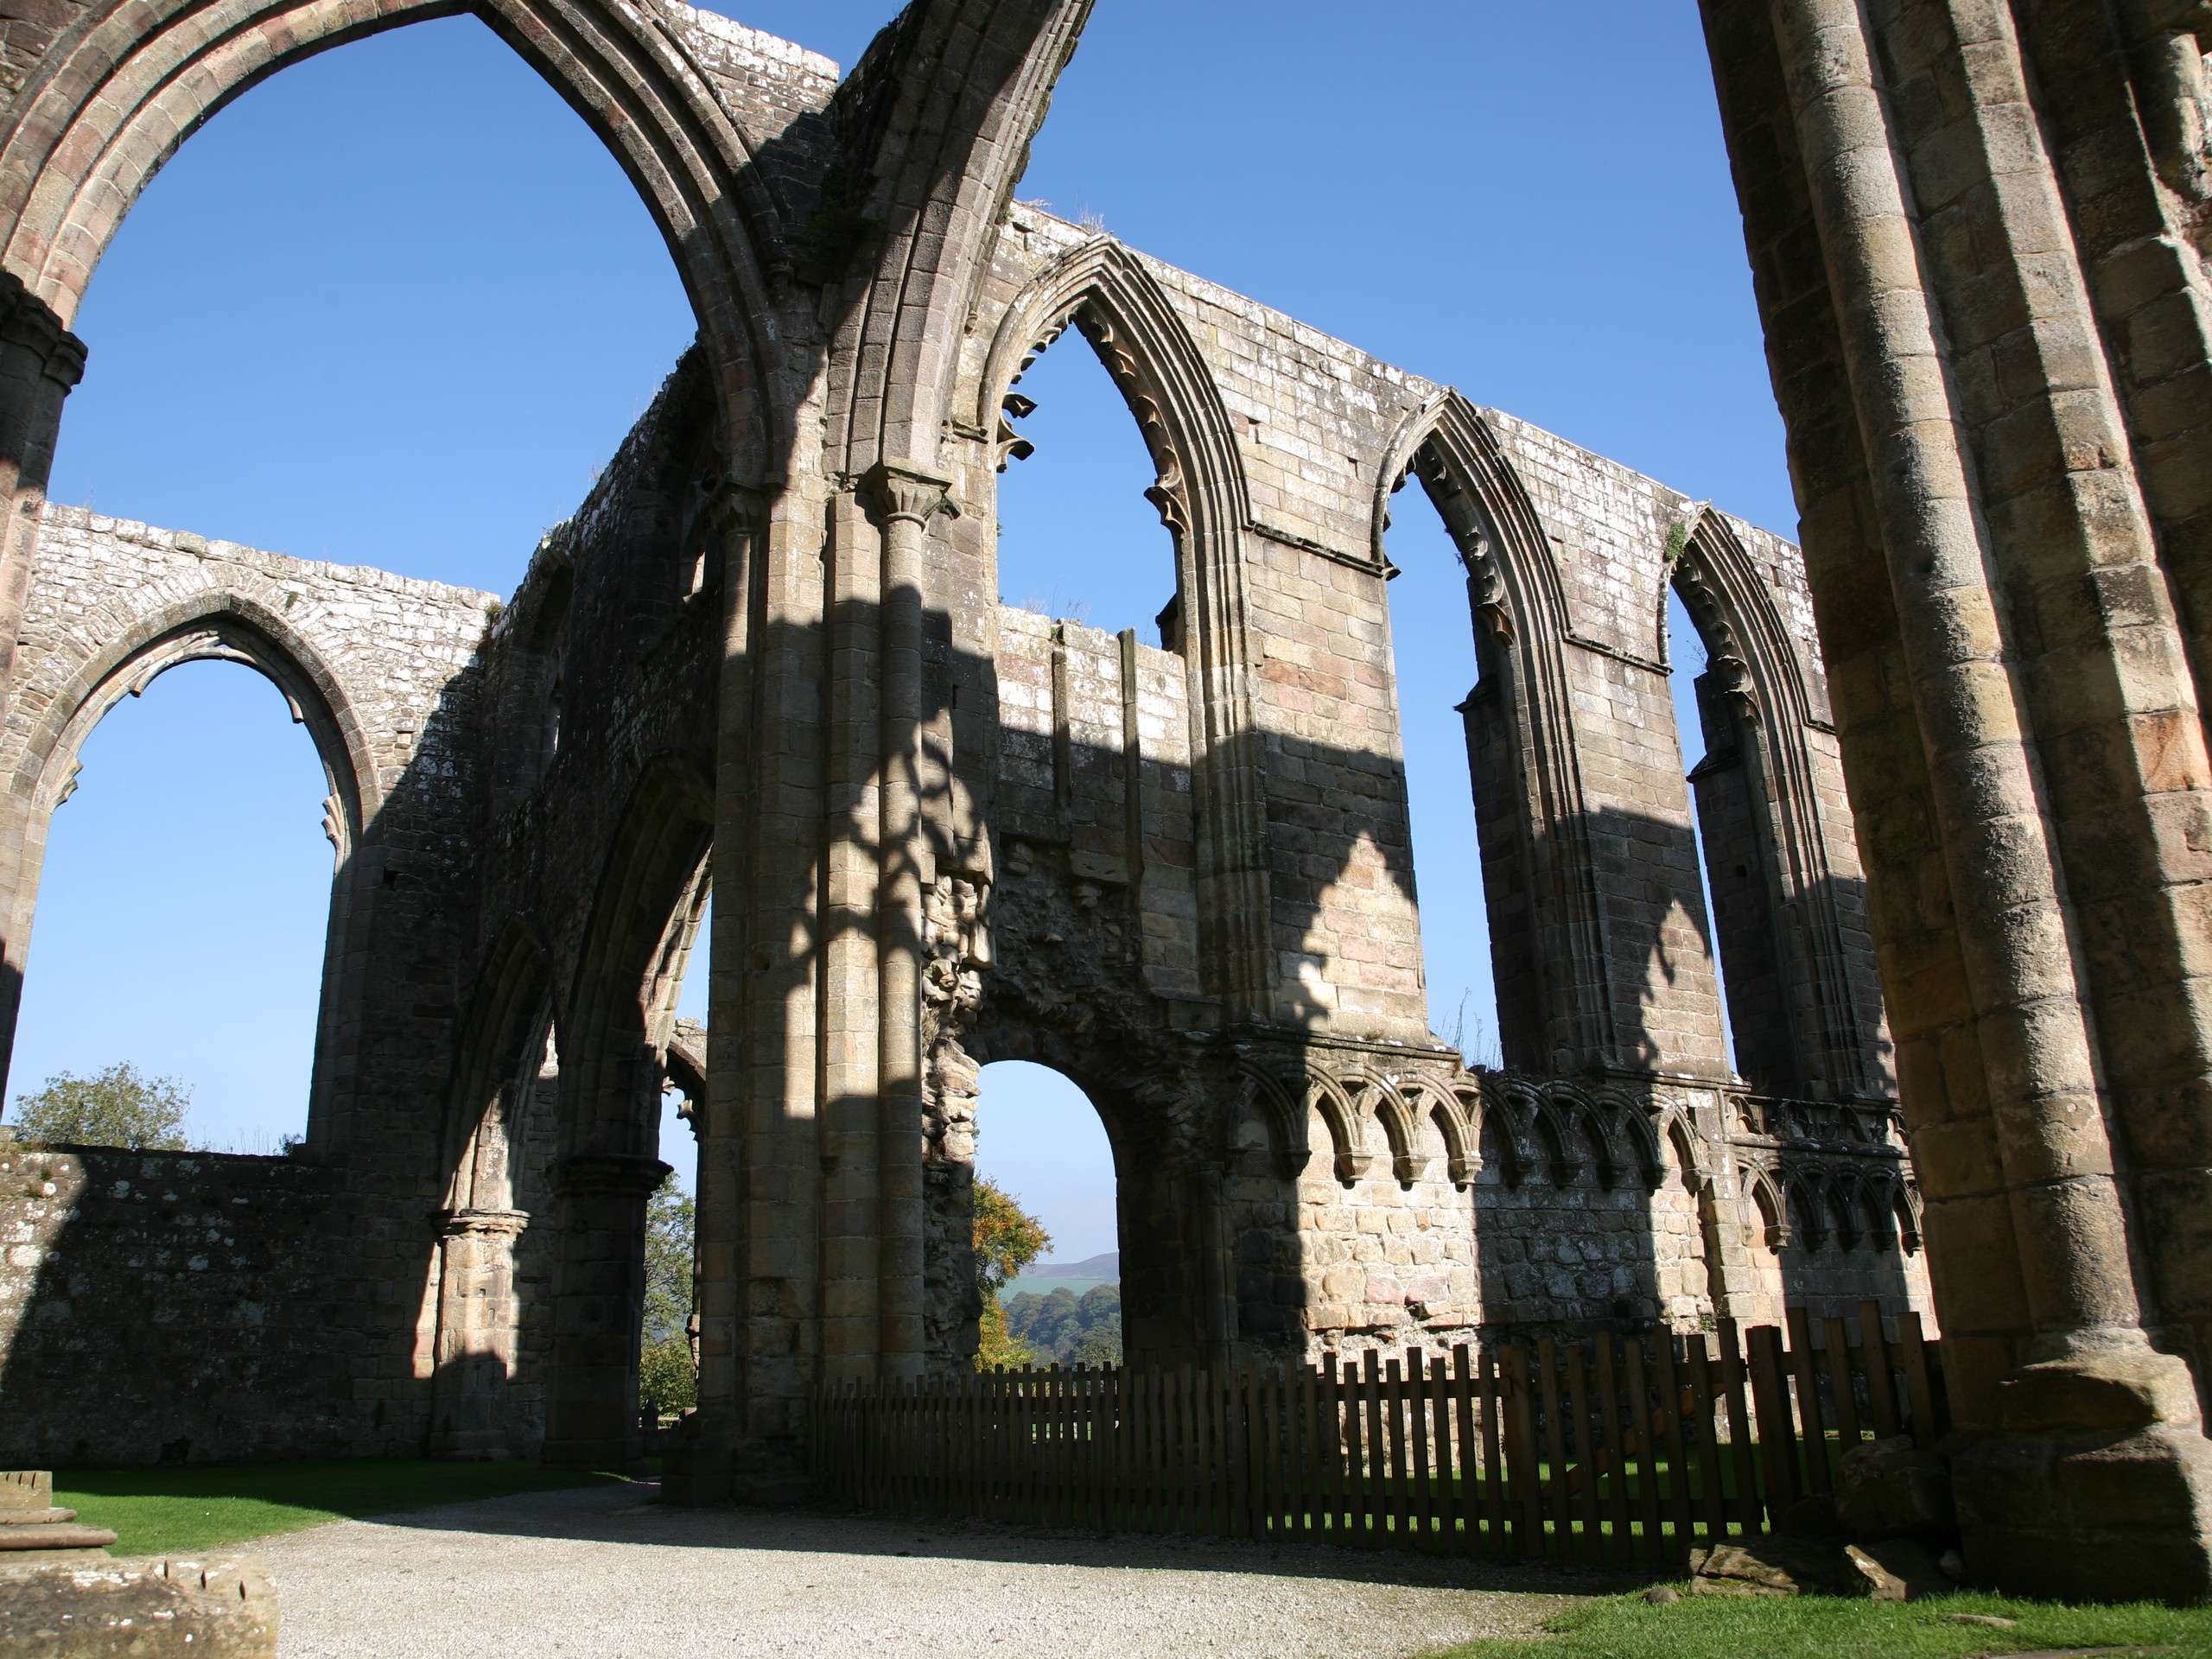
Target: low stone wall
172, 1307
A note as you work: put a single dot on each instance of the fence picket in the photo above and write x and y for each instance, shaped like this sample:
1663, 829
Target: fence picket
1881, 1378
1839, 1385
1585, 1469
1778, 1439
1705, 1442
1374, 1489
1742, 1453
1611, 1451
1913, 1351
1804, 1365
1616, 1451
1446, 1505
1641, 1428
1494, 1498
1678, 1473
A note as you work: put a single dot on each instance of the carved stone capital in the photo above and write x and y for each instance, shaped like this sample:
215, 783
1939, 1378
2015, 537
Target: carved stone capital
737, 508
483, 1223
618, 1174
895, 493
29, 324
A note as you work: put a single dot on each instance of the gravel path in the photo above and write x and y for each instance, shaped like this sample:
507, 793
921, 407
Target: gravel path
599, 1575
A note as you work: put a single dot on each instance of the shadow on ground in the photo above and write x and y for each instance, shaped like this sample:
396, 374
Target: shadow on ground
633, 1514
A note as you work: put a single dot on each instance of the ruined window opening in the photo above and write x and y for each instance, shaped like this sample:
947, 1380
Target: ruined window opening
1041, 1140
333, 230
195, 953
1438, 636
1080, 537
1731, 873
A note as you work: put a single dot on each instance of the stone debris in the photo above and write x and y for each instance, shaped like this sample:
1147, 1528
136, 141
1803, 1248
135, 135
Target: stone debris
1897, 1569
180, 1609
31, 1528
1892, 1489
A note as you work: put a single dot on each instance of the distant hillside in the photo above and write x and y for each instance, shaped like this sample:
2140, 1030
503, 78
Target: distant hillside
1096, 1270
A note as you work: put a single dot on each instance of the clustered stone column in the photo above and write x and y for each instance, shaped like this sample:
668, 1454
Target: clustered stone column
906, 501
2021, 736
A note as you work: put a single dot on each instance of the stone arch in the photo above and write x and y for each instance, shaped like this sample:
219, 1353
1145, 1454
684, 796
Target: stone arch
75, 690
476, 1338
905, 328
622, 996
620, 1002
1513, 1107
1805, 889
1457, 1118
512, 1001
111, 102
1548, 933
1632, 1141
1282, 1107
1351, 1157
1106, 293
1804, 1204
1771, 1209
1680, 1135
1558, 1133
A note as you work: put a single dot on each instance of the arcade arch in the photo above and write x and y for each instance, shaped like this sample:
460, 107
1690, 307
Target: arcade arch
1041, 1140
196, 952
1079, 539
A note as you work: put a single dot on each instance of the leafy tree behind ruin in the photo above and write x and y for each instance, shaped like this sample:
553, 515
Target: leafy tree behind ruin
116, 1108
1085, 1331
1008, 1239
668, 1376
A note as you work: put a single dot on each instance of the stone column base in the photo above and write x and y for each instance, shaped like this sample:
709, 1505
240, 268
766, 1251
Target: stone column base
2095, 1485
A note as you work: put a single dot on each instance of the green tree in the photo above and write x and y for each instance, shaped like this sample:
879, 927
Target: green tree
1086, 1332
118, 1108
668, 1376
1008, 1239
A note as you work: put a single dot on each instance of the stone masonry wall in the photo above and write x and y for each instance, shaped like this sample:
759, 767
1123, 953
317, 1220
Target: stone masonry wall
167, 1307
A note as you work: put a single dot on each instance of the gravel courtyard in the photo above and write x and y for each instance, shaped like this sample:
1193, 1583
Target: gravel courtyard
600, 1575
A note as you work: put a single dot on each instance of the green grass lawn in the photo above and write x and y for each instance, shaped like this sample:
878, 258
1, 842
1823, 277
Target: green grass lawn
162, 1512
1829, 1627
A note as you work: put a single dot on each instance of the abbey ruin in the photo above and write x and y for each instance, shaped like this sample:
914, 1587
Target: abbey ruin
765, 661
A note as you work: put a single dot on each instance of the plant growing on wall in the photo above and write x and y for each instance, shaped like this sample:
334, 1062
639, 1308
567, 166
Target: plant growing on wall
116, 1107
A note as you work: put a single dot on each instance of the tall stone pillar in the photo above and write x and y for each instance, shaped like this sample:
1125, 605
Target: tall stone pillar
741, 518
2025, 820
906, 501
599, 1293
40, 362
477, 1331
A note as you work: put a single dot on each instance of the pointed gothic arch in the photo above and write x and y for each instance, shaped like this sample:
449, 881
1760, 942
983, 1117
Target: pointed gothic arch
112, 101
78, 690
622, 1003
1801, 978
1547, 934
1107, 293
1001, 63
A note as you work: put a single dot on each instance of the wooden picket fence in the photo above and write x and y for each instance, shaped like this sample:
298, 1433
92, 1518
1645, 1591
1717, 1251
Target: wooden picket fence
1611, 1449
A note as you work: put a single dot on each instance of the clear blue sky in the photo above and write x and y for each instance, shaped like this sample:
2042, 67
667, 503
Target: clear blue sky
394, 305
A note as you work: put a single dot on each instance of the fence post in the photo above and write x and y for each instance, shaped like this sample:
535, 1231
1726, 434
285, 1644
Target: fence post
1778, 1439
